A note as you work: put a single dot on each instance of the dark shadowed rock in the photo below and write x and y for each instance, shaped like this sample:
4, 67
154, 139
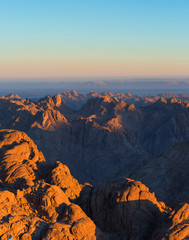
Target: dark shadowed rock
176, 227
167, 174
125, 207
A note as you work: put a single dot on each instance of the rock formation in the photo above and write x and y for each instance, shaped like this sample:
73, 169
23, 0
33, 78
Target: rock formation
30, 207
125, 208
176, 227
62, 178
20, 159
43, 201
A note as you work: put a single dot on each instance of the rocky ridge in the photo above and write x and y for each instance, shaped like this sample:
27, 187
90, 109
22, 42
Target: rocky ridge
106, 130
76, 100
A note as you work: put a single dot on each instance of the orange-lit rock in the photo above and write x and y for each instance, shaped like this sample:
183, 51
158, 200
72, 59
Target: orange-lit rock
176, 227
74, 225
20, 159
62, 177
50, 120
30, 207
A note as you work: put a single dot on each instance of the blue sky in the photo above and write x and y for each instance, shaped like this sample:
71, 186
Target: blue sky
59, 39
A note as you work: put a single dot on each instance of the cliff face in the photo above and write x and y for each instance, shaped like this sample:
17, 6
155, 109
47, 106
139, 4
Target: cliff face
167, 174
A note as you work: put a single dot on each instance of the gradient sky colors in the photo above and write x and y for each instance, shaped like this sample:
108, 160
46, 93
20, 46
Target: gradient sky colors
100, 38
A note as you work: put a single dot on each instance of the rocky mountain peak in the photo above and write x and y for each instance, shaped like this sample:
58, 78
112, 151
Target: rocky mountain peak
74, 93
131, 107
174, 100
13, 96
105, 99
57, 100
162, 100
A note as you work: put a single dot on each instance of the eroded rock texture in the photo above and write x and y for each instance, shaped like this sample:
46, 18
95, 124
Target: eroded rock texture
20, 159
62, 177
31, 208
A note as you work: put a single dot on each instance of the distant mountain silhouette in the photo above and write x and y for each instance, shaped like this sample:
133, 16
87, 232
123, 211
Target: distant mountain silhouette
76, 100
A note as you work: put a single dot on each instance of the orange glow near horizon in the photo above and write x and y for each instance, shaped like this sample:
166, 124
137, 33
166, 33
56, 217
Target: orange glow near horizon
62, 69
93, 39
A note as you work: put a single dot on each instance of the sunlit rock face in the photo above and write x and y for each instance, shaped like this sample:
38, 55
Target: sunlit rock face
43, 211
31, 208
74, 225
176, 227
61, 177
50, 120
20, 159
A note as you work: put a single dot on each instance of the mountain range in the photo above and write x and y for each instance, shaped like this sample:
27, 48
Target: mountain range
44, 201
105, 130
105, 143
76, 100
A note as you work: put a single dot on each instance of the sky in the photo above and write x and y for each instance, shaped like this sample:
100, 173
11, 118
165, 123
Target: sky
65, 39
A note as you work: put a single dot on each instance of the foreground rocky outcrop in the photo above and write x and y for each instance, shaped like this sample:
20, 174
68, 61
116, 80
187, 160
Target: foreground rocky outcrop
39, 201
20, 159
30, 207
44, 212
125, 208
61, 177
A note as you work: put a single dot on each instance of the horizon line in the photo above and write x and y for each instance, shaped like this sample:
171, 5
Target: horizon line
66, 79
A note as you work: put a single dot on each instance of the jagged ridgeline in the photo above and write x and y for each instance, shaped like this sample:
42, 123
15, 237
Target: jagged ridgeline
106, 140
106, 137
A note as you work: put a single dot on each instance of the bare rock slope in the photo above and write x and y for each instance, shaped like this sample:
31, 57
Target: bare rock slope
167, 174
